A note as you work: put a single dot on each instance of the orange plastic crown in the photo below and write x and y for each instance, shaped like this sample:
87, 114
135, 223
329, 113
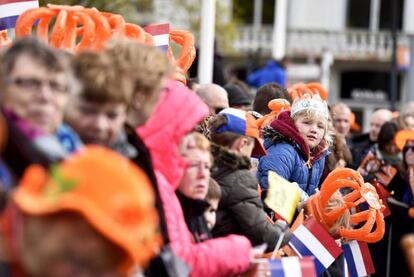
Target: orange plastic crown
76, 28
361, 192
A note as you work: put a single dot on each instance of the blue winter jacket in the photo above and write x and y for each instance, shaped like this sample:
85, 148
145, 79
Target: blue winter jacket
289, 157
285, 160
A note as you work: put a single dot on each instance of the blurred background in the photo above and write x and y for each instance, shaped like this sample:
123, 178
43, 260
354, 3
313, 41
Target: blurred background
359, 49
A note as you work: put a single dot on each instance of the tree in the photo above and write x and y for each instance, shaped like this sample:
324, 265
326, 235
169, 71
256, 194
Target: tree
225, 30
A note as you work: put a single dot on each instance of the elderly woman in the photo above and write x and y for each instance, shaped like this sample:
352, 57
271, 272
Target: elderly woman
36, 83
192, 190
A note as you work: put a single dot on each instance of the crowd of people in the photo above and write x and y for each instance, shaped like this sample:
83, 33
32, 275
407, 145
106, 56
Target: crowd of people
110, 168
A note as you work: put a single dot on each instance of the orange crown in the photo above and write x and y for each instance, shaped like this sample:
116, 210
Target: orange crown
361, 192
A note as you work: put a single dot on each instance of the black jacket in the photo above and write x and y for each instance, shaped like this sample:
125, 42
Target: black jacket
157, 266
193, 210
19, 152
240, 210
359, 149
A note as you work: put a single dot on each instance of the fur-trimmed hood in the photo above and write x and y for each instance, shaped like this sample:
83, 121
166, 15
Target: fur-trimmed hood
223, 157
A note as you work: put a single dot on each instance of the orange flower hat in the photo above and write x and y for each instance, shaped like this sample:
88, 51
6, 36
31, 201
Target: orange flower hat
114, 196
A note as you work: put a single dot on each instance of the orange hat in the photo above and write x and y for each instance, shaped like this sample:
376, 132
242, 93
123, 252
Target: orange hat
276, 106
300, 89
113, 195
243, 123
401, 138
354, 125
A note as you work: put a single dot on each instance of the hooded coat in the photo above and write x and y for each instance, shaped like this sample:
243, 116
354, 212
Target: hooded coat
177, 113
240, 209
289, 156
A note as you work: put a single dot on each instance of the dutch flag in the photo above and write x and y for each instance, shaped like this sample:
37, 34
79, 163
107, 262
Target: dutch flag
357, 259
11, 9
311, 239
292, 267
160, 32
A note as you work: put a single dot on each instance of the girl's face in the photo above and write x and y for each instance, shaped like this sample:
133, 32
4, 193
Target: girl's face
312, 130
409, 152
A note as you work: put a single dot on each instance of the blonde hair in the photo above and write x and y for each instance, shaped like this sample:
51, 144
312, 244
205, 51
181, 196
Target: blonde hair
312, 114
200, 142
336, 201
139, 68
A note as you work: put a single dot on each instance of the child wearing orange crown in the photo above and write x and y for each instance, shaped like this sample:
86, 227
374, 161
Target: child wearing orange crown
297, 144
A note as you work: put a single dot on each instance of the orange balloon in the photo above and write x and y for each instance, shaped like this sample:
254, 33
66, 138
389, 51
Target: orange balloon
134, 31
87, 31
187, 53
26, 20
102, 27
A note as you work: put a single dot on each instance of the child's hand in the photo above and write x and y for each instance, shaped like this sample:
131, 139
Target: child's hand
303, 195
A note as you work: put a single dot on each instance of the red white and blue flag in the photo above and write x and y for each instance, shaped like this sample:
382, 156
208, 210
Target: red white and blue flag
357, 259
292, 267
11, 9
311, 239
161, 34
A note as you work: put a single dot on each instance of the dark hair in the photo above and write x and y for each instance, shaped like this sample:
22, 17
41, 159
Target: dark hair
386, 134
214, 191
265, 94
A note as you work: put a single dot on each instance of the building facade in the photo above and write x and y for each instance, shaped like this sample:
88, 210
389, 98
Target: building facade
345, 44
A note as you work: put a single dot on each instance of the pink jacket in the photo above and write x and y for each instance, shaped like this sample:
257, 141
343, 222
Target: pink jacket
178, 111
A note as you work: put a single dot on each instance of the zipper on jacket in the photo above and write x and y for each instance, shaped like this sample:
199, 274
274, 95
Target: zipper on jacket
309, 178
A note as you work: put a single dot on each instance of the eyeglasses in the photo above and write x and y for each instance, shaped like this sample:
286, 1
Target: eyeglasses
408, 147
35, 84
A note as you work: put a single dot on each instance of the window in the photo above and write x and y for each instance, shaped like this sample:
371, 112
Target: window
370, 86
358, 13
386, 14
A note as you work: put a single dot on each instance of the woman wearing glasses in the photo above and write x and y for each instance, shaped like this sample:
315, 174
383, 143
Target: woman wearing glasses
36, 82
